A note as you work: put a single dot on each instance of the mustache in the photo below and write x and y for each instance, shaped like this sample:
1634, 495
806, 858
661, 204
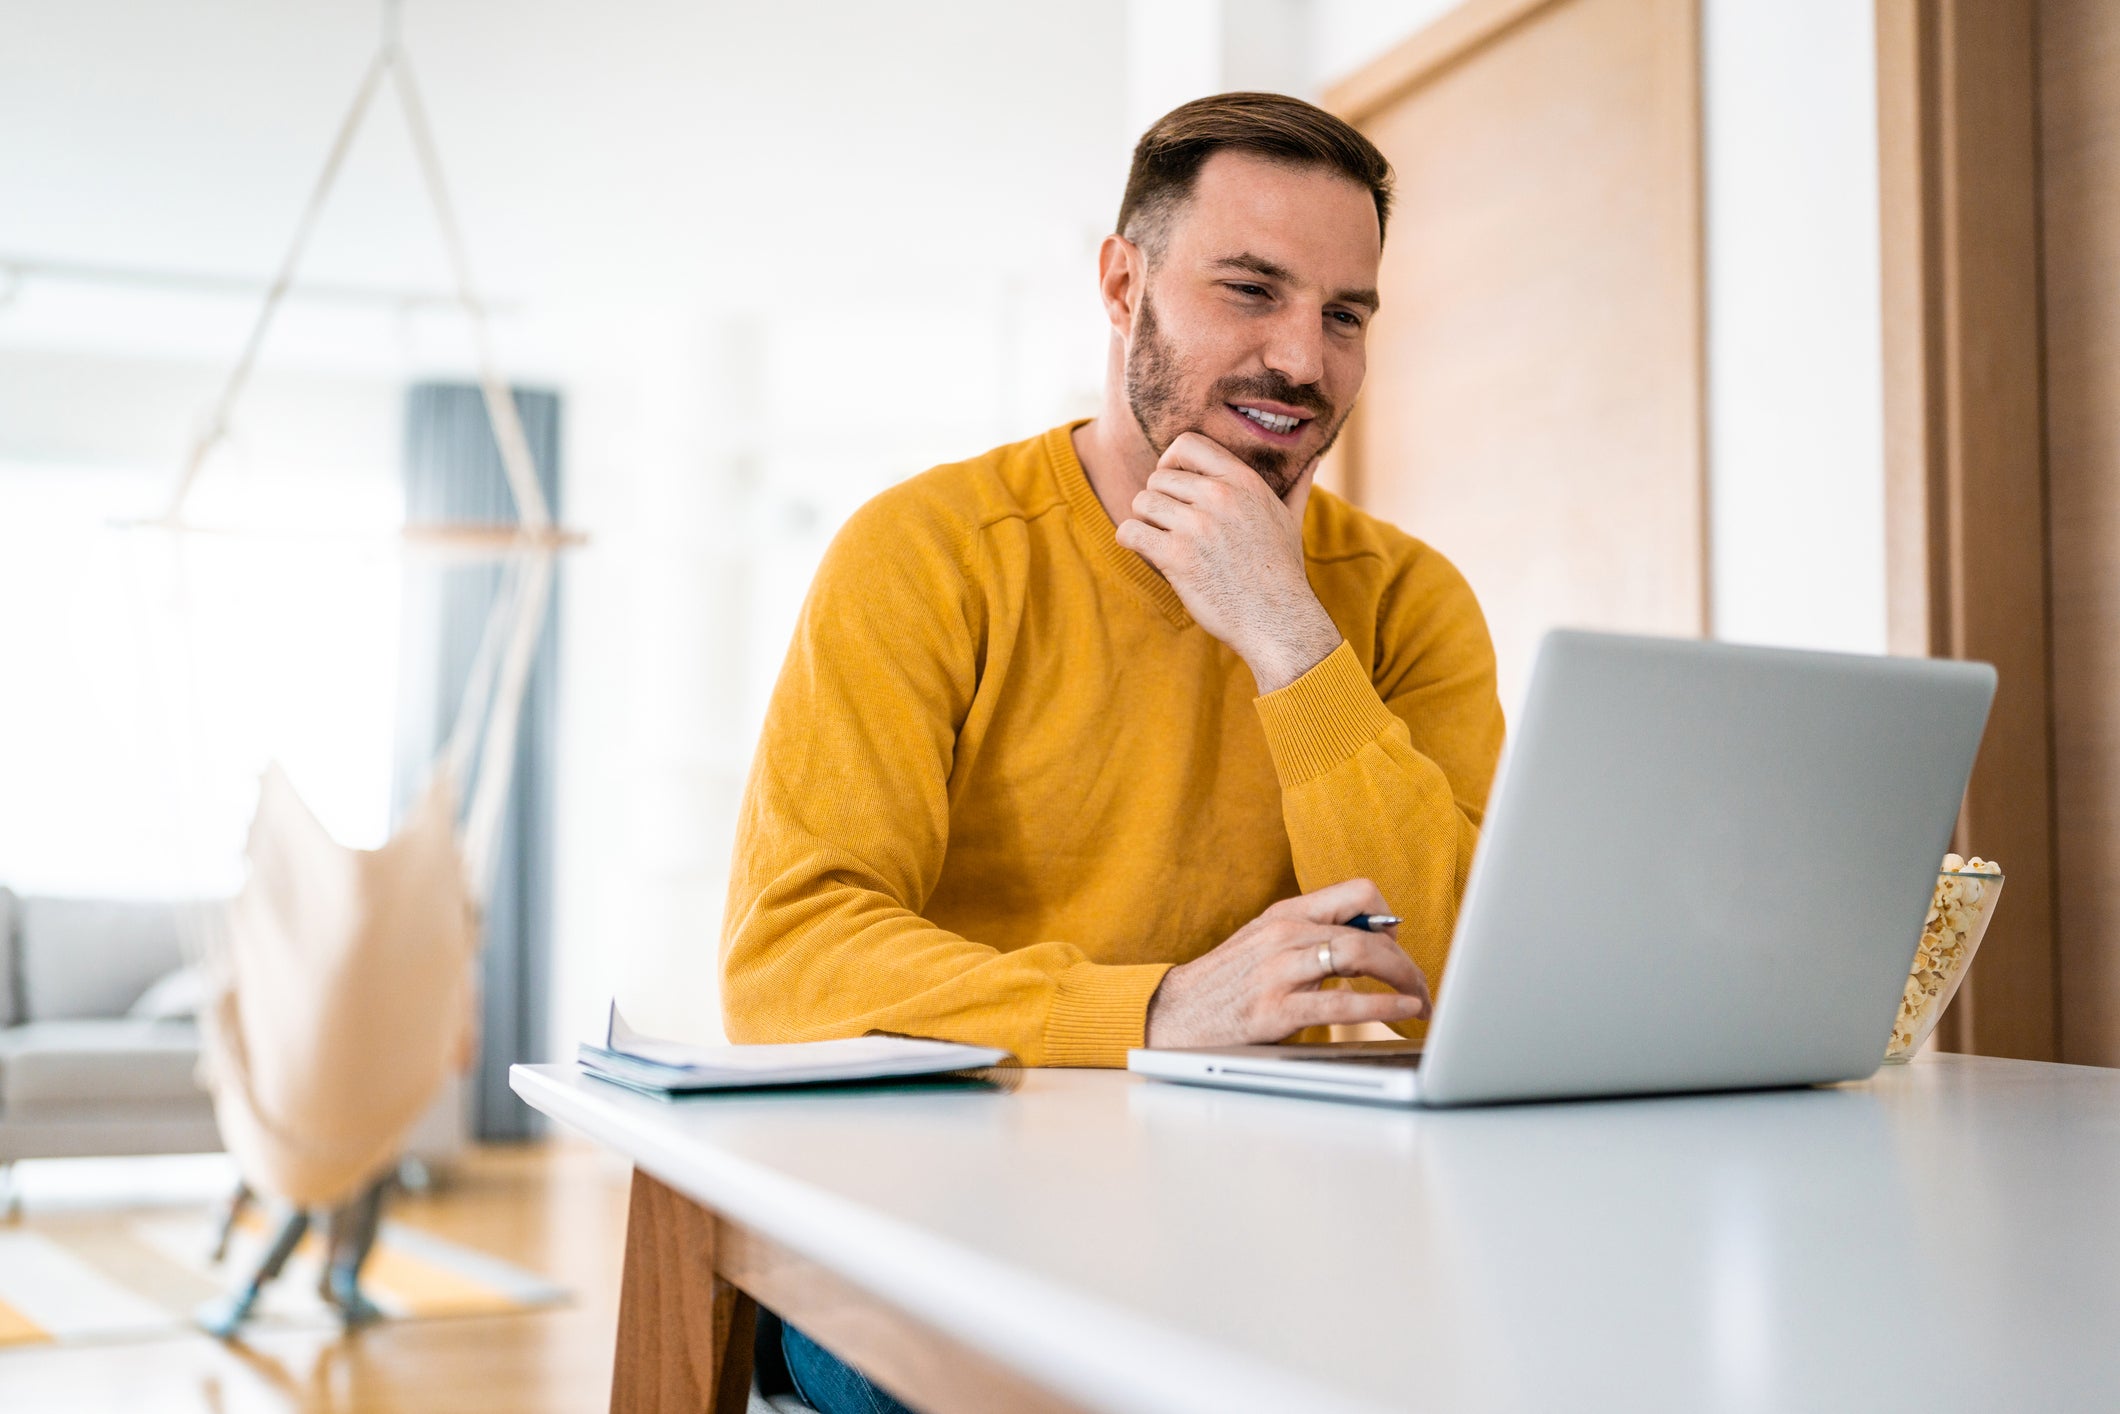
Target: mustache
1276, 388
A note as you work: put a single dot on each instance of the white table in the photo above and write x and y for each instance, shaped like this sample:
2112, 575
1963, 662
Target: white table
1943, 1237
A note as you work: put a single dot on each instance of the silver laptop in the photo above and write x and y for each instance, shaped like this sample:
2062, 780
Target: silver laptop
1704, 867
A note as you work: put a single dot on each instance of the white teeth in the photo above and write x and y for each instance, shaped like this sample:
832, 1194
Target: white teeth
1272, 422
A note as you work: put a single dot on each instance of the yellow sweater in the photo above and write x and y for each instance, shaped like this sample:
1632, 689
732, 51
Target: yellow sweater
1006, 782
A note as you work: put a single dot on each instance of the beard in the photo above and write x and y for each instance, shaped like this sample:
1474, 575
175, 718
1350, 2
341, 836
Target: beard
1156, 379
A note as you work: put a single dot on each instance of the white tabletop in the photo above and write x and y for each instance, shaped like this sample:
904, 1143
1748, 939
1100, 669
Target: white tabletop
1943, 1237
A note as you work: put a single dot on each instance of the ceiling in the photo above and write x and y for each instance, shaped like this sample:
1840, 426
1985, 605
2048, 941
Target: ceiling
610, 162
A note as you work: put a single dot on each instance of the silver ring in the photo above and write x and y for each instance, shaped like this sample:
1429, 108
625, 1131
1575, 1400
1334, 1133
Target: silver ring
1332, 969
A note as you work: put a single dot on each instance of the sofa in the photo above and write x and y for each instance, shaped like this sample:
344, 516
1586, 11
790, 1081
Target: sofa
99, 1045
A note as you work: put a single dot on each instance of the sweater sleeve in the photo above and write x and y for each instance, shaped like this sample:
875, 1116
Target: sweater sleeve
845, 823
1384, 769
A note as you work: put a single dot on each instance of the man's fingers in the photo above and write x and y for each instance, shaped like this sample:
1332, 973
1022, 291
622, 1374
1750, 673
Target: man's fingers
1345, 1008
1195, 451
1354, 954
1180, 484
1160, 510
1143, 539
1360, 954
1335, 903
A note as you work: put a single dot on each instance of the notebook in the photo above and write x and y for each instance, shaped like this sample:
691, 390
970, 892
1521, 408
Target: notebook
675, 1068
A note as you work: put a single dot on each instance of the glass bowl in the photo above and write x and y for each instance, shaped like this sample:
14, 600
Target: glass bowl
1959, 911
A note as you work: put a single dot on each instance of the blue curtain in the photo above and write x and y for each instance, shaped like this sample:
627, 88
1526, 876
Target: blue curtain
453, 473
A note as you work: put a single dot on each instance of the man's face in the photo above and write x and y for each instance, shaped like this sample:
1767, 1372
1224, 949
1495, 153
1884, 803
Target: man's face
1251, 327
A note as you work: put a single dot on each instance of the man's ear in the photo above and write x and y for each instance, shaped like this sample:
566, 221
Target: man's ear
1122, 273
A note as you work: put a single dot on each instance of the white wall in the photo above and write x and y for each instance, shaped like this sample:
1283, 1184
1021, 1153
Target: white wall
1178, 50
1347, 34
1795, 338
1182, 49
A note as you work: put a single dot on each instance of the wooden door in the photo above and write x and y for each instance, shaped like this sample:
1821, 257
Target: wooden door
1999, 154
2079, 166
1534, 404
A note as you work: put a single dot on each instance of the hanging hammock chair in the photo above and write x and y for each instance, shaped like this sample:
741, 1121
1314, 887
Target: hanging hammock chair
340, 980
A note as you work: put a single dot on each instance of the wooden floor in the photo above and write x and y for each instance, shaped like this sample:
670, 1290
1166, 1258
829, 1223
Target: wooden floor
556, 1208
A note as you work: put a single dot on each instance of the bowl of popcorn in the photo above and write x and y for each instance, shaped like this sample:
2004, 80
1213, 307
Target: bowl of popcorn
1959, 911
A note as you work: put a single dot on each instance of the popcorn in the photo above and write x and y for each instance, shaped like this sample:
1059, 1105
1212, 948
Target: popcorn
1958, 911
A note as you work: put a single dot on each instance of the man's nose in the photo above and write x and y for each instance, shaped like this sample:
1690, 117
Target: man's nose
1296, 349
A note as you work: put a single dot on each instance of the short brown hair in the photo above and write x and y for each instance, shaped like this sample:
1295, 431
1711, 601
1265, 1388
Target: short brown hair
1170, 154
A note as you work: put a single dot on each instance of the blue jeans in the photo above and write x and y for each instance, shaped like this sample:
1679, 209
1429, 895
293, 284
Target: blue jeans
828, 1384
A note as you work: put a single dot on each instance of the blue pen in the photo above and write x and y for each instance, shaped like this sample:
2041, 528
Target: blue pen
1372, 922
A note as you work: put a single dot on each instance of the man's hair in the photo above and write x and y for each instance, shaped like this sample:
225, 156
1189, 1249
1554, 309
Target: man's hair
1170, 154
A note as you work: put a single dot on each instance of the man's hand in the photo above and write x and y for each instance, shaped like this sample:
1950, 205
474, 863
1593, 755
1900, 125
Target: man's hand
1261, 984
1234, 552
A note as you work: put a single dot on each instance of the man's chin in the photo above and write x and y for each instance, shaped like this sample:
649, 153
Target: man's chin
1277, 466
1272, 464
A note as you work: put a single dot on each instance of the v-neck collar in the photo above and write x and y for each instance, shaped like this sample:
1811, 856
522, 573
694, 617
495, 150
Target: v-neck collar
1097, 527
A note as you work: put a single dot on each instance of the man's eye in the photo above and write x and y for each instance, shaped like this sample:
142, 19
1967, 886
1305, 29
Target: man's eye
1258, 290
1348, 317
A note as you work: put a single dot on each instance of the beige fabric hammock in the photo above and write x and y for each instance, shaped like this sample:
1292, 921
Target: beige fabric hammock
344, 996
341, 979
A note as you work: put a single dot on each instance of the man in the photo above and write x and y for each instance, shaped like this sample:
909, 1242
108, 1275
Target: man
1100, 739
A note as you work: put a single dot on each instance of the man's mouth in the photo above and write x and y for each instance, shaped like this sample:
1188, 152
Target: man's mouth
1275, 425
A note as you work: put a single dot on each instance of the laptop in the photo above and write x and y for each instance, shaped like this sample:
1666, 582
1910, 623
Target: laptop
1704, 867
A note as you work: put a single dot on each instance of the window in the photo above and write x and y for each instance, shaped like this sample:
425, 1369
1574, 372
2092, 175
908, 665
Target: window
146, 678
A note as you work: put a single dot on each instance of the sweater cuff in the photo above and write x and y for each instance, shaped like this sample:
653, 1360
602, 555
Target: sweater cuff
1101, 1012
1323, 718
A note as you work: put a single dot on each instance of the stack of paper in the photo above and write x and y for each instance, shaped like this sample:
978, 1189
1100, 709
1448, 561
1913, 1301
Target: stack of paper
672, 1067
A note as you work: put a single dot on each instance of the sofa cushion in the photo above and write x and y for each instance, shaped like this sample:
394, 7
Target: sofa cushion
10, 962
94, 956
50, 1063
180, 996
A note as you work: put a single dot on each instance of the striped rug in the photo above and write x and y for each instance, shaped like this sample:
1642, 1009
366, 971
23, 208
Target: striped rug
79, 1280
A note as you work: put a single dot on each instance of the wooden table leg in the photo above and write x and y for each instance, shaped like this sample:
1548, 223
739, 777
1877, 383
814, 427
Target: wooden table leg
684, 1334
